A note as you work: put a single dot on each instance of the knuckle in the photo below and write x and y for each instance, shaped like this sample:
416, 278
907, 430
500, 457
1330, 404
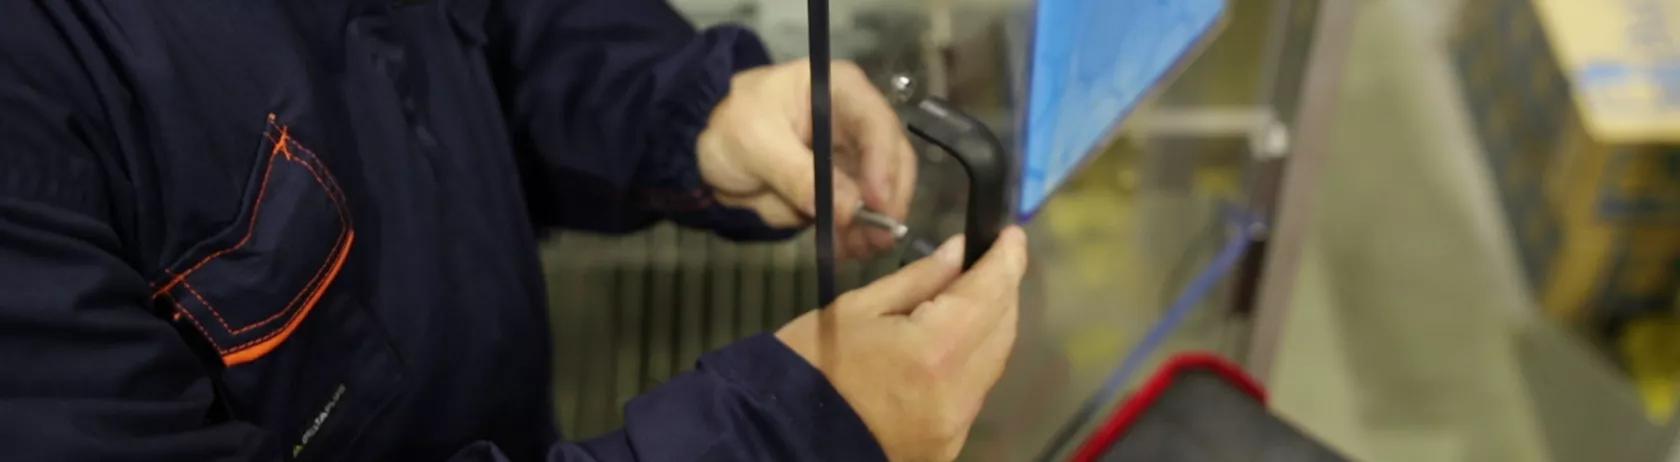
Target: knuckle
950, 451
951, 429
848, 299
796, 67
799, 186
935, 362
847, 69
955, 300
925, 305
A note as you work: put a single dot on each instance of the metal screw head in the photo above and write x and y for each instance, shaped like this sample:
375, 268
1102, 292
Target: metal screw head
1272, 142
901, 88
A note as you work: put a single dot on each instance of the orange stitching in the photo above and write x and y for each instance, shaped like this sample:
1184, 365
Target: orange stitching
285, 135
239, 354
337, 258
250, 229
331, 184
279, 147
327, 182
317, 158
339, 242
207, 304
305, 163
312, 279
180, 310
246, 355
306, 286
277, 144
344, 226
316, 286
288, 307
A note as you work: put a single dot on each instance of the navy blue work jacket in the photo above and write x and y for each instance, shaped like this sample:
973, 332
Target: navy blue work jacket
307, 229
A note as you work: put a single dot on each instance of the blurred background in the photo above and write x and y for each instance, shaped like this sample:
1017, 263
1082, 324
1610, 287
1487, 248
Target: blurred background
1462, 221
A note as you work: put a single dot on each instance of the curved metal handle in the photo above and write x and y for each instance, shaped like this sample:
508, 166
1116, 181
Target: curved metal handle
982, 157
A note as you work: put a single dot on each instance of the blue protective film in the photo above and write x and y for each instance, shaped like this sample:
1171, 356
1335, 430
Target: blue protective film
1092, 62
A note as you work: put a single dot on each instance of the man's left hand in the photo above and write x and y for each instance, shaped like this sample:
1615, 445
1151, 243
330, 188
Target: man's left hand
755, 152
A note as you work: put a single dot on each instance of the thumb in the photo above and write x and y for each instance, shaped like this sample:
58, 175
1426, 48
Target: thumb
788, 166
900, 292
981, 296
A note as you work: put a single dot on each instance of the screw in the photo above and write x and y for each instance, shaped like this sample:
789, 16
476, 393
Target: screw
901, 88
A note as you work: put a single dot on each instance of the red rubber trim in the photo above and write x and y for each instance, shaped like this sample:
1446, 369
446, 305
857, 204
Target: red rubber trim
1133, 408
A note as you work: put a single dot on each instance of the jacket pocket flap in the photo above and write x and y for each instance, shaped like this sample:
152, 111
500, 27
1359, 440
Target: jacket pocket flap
250, 287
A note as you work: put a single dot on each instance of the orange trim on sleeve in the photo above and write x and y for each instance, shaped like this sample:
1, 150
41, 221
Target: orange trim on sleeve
257, 348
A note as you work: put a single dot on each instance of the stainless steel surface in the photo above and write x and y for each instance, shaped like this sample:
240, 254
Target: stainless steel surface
1109, 251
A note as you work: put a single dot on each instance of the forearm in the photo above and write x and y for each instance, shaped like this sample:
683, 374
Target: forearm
753, 400
605, 99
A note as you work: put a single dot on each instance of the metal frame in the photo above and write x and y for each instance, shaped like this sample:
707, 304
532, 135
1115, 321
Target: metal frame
1296, 181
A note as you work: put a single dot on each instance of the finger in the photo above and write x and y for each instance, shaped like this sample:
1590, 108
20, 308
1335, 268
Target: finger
867, 245
869, 237
877, 239
976, 301
846, 155
786, 164
846, 199
774, 210
903, 194
867, 122
901, 291
989, 359
855, 245
906, 188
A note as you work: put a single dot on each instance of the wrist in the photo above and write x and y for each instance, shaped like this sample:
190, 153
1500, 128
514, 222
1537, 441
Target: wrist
810, 406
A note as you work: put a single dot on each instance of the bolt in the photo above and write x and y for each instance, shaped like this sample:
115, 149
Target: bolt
901, 88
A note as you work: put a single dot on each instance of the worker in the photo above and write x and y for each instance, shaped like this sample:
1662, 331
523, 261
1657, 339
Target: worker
307, 230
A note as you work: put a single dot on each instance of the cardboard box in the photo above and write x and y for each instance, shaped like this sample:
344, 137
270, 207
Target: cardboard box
1577, 106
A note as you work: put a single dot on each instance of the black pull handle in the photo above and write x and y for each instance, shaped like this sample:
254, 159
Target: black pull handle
981, 156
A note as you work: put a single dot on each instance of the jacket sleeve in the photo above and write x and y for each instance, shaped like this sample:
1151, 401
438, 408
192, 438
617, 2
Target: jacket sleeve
753, 400
90, 372
605, 99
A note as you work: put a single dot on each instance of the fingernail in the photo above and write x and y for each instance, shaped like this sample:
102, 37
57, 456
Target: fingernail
950, 251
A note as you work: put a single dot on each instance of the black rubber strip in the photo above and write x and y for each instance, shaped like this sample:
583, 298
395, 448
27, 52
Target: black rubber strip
822, 148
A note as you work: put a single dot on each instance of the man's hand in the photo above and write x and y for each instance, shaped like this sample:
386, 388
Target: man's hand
915, 353
755, 152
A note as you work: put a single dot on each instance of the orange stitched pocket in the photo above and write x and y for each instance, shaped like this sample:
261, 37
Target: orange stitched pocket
248, 295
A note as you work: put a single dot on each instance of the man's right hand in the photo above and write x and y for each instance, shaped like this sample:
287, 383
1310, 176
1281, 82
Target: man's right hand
915, 353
